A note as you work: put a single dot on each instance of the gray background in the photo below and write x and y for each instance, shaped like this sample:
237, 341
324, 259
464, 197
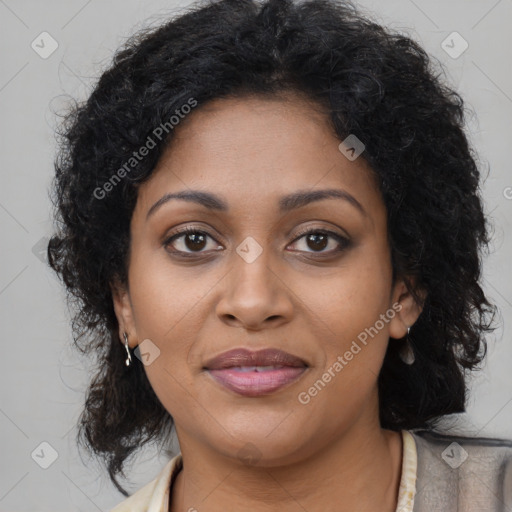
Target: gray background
42, 379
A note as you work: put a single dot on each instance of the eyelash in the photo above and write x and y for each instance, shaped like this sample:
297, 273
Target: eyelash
344, 242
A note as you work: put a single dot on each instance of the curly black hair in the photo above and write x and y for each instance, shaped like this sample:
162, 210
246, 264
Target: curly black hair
376, 84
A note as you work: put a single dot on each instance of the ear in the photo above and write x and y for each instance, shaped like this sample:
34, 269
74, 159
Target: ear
407, 309
124, 312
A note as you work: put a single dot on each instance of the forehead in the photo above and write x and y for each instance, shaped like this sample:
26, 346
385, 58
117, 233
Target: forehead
253, 150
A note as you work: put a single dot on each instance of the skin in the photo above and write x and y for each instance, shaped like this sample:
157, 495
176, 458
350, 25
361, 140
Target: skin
330, 454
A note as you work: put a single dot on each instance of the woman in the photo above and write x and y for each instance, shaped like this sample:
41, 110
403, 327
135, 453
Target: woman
271, 224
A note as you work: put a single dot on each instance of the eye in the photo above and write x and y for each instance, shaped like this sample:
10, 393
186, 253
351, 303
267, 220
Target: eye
189, 240
320, 239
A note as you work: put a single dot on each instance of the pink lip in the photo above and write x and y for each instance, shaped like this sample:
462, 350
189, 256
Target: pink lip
245, 357
254, 383
225, 369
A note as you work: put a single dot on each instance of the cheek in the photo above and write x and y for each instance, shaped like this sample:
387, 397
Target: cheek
168, 305
348, 309
166, 312
164, 295
352, 297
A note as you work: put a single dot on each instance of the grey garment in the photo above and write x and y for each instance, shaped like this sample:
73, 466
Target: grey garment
462, 474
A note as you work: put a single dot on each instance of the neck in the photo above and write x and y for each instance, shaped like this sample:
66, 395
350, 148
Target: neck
359, 470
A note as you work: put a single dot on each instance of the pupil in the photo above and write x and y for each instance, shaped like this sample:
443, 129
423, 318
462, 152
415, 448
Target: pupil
195, 238
316, 244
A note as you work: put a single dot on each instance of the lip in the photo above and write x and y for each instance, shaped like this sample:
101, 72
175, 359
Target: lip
226, 370
245, 357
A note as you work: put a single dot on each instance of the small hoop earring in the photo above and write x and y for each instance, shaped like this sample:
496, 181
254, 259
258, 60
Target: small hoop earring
406, 352
129, 358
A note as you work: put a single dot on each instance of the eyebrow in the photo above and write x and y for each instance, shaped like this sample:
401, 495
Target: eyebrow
286, 203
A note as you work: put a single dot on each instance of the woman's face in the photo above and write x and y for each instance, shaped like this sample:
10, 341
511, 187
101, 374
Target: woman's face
250, 278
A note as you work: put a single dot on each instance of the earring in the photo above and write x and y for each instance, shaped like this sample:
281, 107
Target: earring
129, 358
406, 352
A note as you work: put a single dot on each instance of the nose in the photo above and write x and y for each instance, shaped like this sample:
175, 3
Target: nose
254, 295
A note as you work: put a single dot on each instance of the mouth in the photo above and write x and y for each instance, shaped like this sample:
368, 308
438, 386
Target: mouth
255, 373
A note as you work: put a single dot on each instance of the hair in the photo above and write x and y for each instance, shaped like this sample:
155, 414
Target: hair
373, 83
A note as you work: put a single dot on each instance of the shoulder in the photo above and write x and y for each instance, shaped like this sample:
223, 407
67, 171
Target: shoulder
456, 450
154, 496
465, 473
139, 501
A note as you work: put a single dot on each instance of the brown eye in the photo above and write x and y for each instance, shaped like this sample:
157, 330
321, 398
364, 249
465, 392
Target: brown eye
317, 241
189, 240
194, 241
